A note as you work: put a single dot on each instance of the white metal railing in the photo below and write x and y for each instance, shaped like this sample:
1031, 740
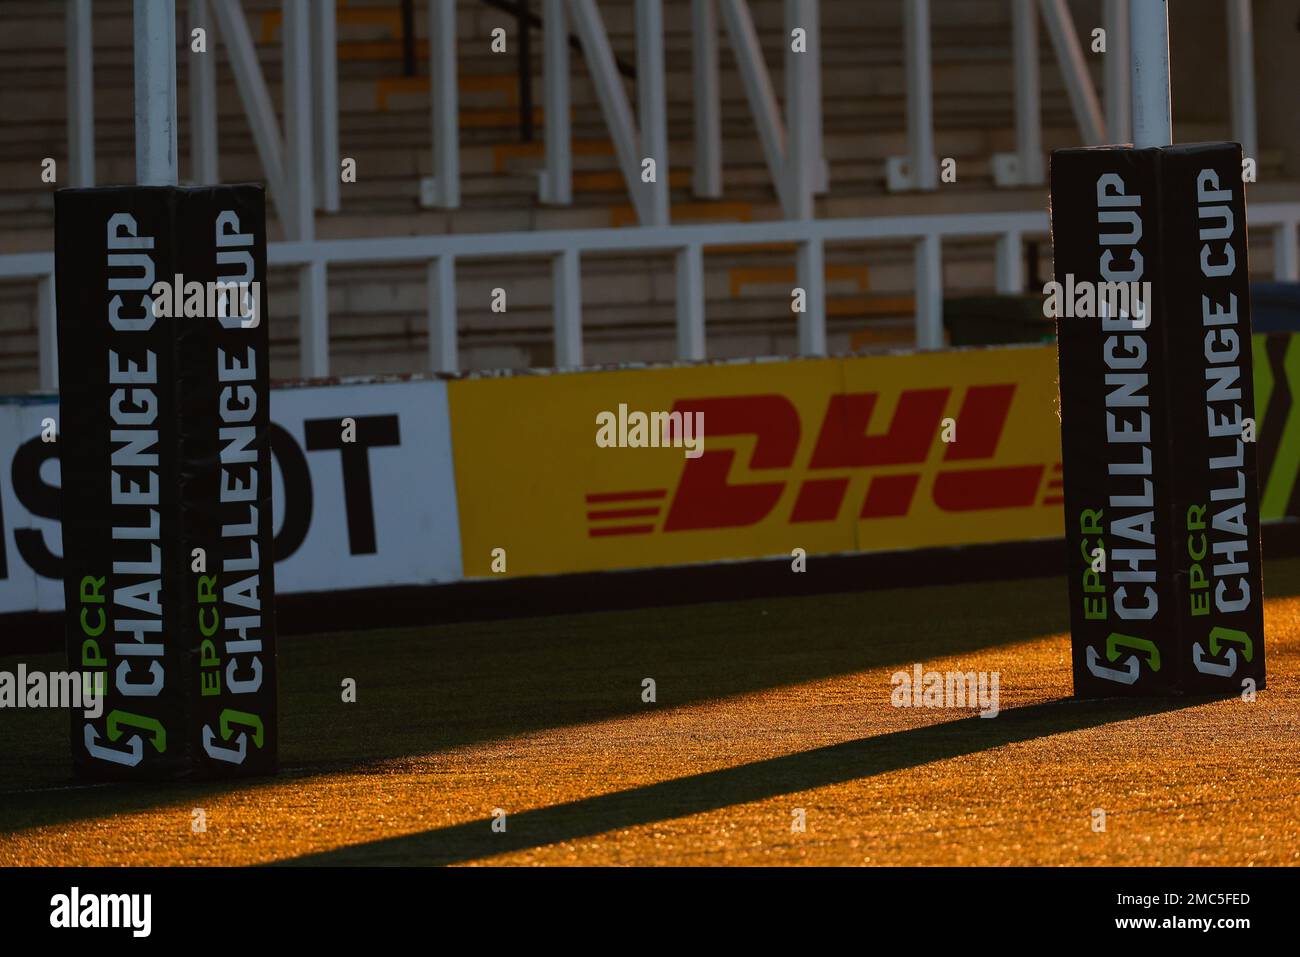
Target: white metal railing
688, 244
300, 162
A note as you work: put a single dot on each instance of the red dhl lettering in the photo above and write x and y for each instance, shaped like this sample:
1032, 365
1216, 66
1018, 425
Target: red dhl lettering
705, 499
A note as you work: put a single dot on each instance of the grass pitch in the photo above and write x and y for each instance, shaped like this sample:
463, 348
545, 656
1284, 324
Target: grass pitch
763, 708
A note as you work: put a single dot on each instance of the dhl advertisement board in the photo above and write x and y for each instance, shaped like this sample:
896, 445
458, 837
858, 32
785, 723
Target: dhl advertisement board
828, 455
578, 472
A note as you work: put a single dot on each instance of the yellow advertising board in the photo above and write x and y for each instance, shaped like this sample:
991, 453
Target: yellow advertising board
572, 473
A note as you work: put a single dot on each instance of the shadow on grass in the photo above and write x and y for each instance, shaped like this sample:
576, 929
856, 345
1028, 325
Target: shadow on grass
427, 690
714, 790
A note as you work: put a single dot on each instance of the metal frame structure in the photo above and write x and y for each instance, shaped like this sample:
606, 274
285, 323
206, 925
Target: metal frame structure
315, 71
688, 244
301, 166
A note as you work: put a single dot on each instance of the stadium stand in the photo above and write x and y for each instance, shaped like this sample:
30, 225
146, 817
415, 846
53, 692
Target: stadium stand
377, 312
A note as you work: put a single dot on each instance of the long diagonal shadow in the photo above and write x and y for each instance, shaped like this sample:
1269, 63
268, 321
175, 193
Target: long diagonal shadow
713, 790
430, 690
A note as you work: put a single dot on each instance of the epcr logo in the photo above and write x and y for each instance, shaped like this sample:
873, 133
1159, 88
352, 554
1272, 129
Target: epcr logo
1128, 674
1228, 667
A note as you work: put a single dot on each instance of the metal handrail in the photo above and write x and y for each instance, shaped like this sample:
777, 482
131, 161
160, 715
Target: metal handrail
688, 243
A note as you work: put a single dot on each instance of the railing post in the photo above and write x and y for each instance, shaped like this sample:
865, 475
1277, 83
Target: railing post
313, 320
1024, 167
325, 62
802, 150
81, 93
917, 170
1119, 117
1286, 252
47, 334
296, 41
690, 303
566, 279
556, 181
810, 272
443, 188
524, 67
706, 181
203, 99
1010, 264
652, 107
441, 291
929, 292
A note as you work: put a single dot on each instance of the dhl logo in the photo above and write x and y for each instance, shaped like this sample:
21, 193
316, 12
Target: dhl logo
844, 448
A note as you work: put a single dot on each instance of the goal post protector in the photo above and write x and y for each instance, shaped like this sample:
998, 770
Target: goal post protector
1157, 402
1158, 420
166, 478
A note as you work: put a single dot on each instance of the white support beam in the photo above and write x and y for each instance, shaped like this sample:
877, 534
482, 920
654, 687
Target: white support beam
325, 67
919, 169
80, 60
203, 97
313, 321
566, 293
441, 291
313, 290
810, 274
154, 27
1010, 264
812, 17
652, 107
257, 101
296, 43
47, 335
1149, 38
1074, 71
1241, 69
706, 179
1119, 117
690, 303
555, 182
803, 148
929, 292
1286, 252
1024, 167
442, 190
758, 90
613, 101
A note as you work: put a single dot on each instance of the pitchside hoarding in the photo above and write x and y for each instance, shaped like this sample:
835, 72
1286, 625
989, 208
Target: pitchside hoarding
390, 510
379, 511
165, 478
827, 455
1161, 503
